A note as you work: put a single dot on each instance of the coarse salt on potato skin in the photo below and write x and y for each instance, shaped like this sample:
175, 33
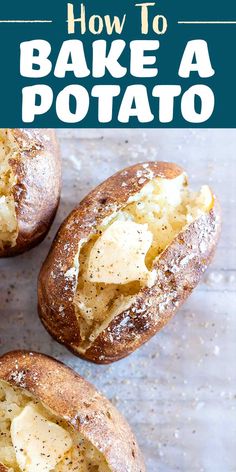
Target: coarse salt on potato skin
36, 167
179, 268
75, 401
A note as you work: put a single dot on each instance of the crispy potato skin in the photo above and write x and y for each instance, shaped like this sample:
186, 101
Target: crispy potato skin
180, 268
76, 401
37, 191
3, 468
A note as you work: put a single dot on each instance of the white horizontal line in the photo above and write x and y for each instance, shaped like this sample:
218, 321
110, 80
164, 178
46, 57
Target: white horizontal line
207, 22
25, 21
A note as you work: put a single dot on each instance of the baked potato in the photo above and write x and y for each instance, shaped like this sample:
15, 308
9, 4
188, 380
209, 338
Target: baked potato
126, 259
30, 179
3, 468
51, 419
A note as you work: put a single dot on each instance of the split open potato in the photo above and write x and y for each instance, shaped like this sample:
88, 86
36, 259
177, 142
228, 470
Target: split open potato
52, 420
30, 180
126, 259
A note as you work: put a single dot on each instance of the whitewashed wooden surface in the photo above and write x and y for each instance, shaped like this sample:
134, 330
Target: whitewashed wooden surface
178, 391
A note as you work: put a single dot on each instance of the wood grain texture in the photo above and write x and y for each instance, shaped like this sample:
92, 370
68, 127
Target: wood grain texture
177, 391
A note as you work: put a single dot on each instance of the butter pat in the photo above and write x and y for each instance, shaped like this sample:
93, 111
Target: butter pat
118, 256
39, 444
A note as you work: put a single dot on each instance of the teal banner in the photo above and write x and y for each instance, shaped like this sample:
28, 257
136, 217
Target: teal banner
118, 64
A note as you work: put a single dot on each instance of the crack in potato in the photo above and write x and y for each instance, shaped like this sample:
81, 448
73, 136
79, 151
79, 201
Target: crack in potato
82, 457
8, 220
166, 207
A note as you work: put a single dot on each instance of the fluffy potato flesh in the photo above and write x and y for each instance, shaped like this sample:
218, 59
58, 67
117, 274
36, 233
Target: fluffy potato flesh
33, 439
8, 220
117, 261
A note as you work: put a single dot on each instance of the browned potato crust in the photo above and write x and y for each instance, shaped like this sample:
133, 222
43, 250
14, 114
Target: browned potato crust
36, 168
3, 468
179, 269
73, 399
